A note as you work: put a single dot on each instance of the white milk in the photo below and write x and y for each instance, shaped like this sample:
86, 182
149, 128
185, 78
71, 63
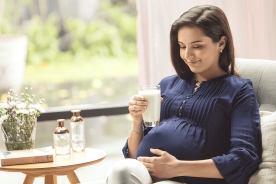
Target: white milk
151, 115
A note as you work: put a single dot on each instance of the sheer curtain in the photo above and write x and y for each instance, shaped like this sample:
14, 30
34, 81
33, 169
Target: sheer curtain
253, 25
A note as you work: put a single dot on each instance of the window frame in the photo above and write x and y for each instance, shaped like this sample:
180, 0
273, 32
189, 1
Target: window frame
87, 110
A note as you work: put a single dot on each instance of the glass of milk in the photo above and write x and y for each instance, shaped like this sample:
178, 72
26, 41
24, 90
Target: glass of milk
152, 95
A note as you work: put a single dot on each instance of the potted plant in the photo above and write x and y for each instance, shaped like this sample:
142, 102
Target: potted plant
18, 120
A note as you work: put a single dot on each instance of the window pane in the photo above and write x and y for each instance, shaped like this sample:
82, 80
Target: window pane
79, 52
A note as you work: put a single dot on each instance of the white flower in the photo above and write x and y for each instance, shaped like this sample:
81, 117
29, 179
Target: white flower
3, 111
22, 111
12, 103
37, 107
32, 111
3, 118
21, 106
4, 105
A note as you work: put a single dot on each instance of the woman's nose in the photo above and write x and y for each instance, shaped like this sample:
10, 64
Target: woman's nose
188, 54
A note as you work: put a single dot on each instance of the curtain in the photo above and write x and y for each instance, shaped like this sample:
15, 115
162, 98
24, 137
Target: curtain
253, 25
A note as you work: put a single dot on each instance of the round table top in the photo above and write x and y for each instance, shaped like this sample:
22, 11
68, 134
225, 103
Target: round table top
70, 161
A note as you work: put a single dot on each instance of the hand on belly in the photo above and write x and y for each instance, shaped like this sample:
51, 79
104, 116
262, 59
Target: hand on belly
160, 166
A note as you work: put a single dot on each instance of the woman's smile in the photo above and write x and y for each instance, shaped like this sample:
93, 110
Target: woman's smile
192, 62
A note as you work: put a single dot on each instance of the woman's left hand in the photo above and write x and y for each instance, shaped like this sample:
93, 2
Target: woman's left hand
162, 166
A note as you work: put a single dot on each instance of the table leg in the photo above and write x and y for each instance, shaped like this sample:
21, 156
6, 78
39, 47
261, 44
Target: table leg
50, 179
28, 180
72, 177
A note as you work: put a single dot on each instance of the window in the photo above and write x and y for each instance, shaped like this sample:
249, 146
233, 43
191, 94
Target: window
79, 52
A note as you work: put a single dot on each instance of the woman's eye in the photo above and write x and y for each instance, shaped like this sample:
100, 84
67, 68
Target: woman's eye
182, 47
197, 47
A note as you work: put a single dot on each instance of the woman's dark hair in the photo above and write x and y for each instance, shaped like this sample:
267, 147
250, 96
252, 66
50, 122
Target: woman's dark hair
212, 21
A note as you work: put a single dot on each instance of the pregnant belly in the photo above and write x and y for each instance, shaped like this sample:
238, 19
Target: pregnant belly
180, 139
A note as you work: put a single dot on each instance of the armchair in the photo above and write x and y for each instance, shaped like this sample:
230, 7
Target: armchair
262, 74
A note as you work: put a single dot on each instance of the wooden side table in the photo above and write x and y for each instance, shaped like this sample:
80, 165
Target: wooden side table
62, 165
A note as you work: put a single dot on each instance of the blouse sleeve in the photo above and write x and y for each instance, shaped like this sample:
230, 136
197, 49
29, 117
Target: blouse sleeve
244, 155
125, 150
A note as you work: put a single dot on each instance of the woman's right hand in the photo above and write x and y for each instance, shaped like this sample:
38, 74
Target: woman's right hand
137, 105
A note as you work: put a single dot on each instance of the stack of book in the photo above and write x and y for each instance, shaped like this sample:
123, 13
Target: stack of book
31, 156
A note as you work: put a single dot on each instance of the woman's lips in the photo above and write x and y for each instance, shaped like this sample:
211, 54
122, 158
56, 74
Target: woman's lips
192, 62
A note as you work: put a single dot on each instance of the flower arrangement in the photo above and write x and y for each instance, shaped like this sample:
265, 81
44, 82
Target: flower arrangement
18, 120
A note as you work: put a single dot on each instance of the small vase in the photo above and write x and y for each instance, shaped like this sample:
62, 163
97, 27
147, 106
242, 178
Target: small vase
19, 135
77, 131
61, 138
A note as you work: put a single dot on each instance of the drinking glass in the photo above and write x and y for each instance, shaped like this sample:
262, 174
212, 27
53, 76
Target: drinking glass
151, 115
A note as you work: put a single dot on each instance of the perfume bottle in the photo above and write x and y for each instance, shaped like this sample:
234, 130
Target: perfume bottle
77, 131
61, 138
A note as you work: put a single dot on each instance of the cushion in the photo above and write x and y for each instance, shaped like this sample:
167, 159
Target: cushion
266, 174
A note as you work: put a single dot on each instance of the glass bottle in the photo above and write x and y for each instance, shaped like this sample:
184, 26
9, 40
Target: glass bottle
61, 138
77, 131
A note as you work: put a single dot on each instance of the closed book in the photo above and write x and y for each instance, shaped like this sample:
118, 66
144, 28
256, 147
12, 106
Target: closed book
31, 156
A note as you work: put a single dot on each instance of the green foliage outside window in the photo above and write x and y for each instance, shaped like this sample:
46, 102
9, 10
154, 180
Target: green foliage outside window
114, 35
101, 51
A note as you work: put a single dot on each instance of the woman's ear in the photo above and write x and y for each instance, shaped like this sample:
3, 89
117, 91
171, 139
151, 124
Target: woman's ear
222, 43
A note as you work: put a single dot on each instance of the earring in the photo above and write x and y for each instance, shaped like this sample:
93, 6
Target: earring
221, 51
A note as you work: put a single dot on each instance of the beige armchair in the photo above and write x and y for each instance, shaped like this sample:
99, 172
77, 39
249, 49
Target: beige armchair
263, 75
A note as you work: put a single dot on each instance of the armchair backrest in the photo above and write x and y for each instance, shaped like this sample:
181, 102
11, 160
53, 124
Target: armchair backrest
263, 75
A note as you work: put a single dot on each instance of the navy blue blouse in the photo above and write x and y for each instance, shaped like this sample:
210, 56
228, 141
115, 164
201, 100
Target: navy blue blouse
219, 121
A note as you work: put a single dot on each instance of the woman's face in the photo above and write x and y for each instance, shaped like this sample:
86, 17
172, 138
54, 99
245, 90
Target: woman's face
199, 52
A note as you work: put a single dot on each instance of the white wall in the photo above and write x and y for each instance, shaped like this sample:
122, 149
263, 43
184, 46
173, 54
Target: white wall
253, 24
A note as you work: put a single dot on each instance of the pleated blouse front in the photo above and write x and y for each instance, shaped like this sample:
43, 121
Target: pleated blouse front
219, 121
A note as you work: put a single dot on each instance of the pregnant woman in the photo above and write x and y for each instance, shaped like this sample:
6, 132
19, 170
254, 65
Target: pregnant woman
209, 130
